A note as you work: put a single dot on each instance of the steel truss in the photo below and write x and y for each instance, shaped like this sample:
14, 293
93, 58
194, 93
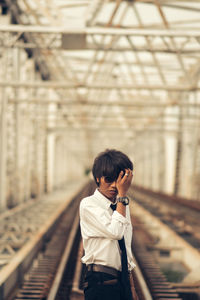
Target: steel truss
131, 86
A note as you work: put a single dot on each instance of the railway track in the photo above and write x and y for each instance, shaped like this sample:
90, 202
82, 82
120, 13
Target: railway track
57, 272
49, 265
30, 274
157, 283
149, 280
181, 215
39, 279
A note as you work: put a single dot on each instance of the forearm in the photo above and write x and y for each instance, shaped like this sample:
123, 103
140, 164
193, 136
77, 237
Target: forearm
121, 209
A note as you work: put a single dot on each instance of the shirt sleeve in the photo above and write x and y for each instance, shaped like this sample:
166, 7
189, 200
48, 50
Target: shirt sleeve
97, 222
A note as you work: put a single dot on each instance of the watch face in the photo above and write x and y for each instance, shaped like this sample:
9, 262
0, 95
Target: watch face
124, 200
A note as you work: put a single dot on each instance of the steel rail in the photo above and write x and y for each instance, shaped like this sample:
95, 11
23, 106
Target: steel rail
149, 281
189, 203
157, 283
38, 280
63, 262
165, 211
12, 274
153, 239
77, 290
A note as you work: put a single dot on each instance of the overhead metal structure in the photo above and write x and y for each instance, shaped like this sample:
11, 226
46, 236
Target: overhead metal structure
81, 76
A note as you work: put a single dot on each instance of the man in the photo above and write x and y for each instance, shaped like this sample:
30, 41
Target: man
104, 230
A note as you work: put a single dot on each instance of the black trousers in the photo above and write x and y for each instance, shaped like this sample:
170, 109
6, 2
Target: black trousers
97, 290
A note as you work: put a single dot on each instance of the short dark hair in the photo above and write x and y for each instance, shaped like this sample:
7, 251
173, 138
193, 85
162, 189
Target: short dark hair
110, 163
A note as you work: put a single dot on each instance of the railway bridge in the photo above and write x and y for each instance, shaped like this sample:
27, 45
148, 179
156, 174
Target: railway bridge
76, 78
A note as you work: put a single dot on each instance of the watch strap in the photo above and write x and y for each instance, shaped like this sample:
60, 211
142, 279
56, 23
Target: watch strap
124, 200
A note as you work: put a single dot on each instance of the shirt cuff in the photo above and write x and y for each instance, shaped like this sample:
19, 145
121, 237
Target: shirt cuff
117, 216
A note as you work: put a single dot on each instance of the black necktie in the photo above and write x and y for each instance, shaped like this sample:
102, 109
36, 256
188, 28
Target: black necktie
124, 274
113, 206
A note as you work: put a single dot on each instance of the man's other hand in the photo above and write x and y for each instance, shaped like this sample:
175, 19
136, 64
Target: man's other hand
123, 182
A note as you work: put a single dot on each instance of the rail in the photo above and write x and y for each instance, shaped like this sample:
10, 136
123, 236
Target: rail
57, 271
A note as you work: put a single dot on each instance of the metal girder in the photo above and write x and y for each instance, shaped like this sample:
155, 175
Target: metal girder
100, 31
134, 75
20, 29
112, 129
106, 48
64, 85
126, 102
54, 38
131, 117
174, 4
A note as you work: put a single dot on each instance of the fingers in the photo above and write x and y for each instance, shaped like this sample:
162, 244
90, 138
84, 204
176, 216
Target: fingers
121, 174
128, 173
124, 181
129, 176
125, 177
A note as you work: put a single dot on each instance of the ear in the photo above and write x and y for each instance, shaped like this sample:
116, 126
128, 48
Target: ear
98, 181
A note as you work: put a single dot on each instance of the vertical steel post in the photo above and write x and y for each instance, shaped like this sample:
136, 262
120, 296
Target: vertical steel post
50, 162
161, 155
150, 157
35, 168
3, 140
17, 196
196, 157
46, 151
162, 164
178, 154
27, 186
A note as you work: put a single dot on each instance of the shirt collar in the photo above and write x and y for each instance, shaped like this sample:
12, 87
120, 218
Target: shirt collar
102, 200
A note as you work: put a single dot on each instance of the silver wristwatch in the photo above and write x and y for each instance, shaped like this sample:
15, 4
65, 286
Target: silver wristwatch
123, 200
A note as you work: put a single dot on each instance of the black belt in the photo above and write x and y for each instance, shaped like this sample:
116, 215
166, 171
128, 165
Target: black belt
104, 269
105, 282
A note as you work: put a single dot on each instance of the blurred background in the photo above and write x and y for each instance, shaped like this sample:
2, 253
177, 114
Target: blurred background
81, 76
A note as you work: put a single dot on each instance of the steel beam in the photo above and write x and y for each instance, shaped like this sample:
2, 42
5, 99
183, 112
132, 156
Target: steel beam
3, 140
3, 152
17, 192
64, 85
113, 129
107, 48
100, 31
124, 103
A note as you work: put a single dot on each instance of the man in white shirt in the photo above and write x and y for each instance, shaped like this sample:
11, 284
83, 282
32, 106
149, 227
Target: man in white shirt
104, 231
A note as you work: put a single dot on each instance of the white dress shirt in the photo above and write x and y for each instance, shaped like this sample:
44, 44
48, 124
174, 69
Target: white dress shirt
101, 228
